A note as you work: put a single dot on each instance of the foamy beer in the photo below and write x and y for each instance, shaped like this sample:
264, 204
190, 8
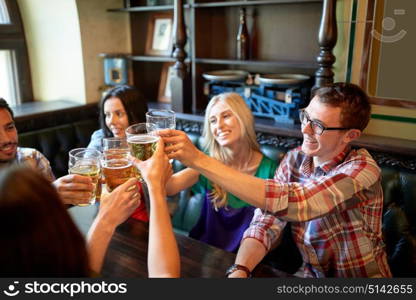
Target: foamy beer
142, 140
117, 171
143, 147
86, 162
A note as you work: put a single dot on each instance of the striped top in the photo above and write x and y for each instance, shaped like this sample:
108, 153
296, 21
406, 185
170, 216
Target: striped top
335, 210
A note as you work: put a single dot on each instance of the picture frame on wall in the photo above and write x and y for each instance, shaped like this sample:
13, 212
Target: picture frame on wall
165, 92
159, 35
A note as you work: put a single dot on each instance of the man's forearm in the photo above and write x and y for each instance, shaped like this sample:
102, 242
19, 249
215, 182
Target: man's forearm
250, 254
246, 187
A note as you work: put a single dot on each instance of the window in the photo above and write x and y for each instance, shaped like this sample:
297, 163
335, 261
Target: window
9, 89
15, 82
4, 14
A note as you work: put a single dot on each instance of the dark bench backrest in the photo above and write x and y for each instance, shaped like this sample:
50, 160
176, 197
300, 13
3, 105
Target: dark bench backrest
55, 142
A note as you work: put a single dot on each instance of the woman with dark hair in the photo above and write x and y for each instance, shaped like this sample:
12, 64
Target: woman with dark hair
121, 107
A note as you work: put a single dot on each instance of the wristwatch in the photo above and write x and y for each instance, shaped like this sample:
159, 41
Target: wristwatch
236, 267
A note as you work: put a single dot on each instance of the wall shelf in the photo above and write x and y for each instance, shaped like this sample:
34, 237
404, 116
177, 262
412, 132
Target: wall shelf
281, 42
278, 64
145, 8
211, 4
153, 58
142, 8
250, 3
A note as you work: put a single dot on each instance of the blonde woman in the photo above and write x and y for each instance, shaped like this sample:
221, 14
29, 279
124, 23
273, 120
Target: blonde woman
229, 137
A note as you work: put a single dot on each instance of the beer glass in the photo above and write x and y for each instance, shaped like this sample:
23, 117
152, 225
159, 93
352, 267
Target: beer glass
142, 140
117, 170
86, 162
162, 118
115, 147
115, 164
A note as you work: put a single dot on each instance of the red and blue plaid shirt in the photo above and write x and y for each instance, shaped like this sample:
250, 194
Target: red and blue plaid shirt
335, 211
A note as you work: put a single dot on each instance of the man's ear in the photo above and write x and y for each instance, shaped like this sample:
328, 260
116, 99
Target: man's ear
352, 134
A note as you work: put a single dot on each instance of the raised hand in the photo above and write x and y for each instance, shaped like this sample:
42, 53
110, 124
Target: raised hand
179, 147
74, 189
156, 170
117, 206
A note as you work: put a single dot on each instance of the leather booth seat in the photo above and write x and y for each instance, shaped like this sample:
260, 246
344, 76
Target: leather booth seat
55, 142
399, 225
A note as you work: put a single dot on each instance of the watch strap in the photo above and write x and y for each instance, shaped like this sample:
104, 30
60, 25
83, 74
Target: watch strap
236, 267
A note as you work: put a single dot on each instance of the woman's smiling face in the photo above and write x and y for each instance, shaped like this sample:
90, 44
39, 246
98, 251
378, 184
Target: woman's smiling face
116, 117
224, 125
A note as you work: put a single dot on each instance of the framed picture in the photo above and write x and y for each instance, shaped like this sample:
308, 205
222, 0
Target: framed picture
159, 34
164, 83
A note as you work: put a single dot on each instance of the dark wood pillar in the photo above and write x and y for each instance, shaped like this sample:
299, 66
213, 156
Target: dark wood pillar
126, 3
180, 82
327, 40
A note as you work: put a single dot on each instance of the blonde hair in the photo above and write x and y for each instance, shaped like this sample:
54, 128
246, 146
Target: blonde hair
245, 118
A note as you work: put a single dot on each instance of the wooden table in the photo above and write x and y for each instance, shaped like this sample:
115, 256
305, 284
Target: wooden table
127, 256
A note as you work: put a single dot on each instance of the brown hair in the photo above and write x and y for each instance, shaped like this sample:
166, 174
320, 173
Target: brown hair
38, 237
5, 105
353, 101
133, 102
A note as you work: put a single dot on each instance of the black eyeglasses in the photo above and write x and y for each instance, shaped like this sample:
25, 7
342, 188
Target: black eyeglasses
317, 127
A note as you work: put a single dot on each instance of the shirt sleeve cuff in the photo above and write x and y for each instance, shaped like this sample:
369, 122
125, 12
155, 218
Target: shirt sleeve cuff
258, 234
274, 192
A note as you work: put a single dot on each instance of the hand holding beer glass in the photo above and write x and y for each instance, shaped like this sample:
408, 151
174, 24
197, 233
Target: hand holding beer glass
142, 140
163, 119
86, 162
117, 168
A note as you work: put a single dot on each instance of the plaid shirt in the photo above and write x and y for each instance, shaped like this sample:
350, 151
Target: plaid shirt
36, 160
335, 210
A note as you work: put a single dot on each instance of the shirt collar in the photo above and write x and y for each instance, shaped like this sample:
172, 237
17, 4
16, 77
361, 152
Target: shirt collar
326, 167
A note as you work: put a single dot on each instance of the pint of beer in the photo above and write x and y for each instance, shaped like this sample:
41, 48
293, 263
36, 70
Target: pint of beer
142, 146
86, 162
142, 141
117, 171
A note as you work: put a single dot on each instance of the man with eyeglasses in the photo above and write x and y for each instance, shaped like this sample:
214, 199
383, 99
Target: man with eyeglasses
329, 192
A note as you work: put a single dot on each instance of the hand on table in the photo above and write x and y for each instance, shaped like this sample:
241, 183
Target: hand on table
74, 189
